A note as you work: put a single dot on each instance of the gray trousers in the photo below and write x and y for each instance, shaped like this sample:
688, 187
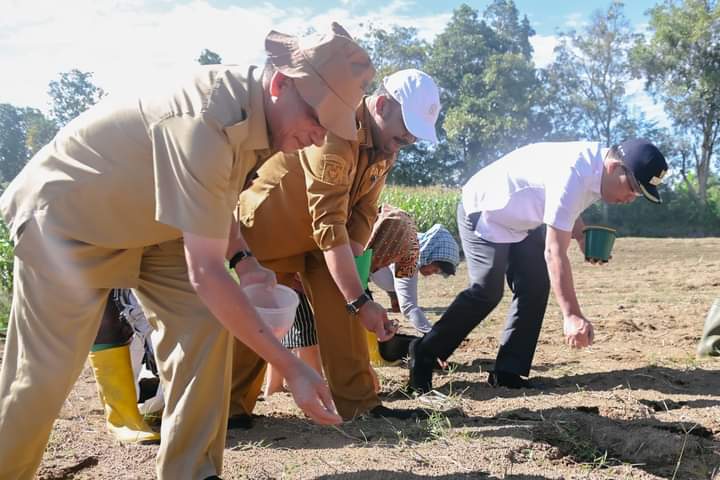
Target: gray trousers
489, 264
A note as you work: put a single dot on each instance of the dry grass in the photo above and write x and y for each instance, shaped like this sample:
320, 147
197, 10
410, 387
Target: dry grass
635, 405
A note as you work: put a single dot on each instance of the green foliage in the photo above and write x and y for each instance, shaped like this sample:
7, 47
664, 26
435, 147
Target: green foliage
427, 206
12, 141
485, 70
397, 49
6, 275
681, 63
585, 96
679, 215
393, 50
208, 57
72, 94
39, 130
23, 131
6, 259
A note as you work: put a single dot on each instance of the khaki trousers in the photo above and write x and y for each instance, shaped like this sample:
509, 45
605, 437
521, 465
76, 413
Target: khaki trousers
53, 323
343, 347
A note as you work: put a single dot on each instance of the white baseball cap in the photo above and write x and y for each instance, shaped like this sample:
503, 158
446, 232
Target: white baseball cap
419, 99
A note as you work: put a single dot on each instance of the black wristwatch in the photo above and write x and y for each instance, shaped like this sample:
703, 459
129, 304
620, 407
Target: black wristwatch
241, 255
355, 306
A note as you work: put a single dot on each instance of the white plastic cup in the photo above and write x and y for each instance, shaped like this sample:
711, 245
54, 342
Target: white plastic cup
276, 307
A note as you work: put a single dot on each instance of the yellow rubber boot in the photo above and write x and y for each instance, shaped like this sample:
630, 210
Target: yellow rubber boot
116, 387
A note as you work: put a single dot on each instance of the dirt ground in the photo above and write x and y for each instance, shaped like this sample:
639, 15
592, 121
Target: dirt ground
636, 405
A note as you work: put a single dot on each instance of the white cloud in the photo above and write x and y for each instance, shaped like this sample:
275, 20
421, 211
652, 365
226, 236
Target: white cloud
639, 98
575, 20
129, 43
543, 46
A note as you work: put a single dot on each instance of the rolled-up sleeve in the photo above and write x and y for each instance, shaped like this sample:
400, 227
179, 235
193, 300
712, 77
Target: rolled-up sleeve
327, 181
365, 212
192, 167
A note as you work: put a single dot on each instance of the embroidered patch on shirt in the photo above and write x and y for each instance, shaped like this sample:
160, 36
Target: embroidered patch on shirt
334, 170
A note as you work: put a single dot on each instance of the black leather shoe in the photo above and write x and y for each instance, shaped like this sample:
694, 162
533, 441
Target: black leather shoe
243, 421
421, 369
398, 413
511, 380
213, 477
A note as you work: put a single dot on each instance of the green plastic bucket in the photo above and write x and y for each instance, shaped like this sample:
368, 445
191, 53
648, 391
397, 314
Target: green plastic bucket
362, 262
599, 242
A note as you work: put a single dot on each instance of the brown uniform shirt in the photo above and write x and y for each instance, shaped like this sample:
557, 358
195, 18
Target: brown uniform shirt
123, 176
318, 198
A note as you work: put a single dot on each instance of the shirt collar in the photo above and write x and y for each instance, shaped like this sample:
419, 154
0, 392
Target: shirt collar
258, 131
365, 137
362, 115
598, 166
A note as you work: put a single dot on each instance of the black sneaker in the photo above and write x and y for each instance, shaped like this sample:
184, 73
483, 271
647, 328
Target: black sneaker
243, 421
511, 380
421, 369
399, 413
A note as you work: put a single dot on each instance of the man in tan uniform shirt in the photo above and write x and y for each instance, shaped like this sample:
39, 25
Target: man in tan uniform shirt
318, 206
141, 195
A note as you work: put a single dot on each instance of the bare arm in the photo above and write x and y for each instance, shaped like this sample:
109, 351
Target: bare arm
578, 330
248, 270
223, 296
341, 264
578, 235
357, 248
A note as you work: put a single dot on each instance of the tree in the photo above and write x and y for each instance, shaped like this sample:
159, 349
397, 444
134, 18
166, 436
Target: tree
489, 93
394, 50
39, 130
586, 82
390, 51
681, 65
208, 57
72, 94
12, 142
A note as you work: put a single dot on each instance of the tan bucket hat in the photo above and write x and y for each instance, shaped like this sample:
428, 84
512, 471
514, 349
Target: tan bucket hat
331, 73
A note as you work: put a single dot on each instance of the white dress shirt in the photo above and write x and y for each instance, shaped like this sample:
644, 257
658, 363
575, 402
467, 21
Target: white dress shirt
550, 183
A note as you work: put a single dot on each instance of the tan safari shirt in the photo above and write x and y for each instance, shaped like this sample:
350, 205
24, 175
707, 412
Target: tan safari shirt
318, 198
123, 176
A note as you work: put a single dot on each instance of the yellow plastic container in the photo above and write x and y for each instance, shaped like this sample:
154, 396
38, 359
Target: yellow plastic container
362, 262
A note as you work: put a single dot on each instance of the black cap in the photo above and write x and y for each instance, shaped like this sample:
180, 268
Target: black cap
647, 165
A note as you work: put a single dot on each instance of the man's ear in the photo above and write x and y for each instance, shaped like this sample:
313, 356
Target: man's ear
382, 106
278, 82
614, 166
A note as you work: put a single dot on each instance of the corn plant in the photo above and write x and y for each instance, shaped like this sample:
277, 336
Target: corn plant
427, 205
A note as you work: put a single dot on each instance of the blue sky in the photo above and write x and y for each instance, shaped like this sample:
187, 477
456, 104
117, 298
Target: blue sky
129, 44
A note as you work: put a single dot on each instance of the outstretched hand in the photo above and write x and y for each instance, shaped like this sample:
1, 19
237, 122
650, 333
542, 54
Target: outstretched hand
312, 395
374, 317
579, 332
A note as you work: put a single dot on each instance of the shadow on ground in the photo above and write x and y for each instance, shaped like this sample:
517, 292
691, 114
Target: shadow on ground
390, 475
665, 449
665, 380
